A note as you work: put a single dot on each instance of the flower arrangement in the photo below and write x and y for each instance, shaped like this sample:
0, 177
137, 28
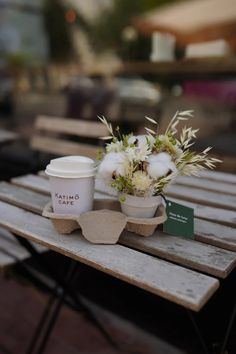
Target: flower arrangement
144, 165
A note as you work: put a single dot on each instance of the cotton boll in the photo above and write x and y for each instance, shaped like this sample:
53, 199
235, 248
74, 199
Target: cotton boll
160, 164
162, 156
141, 140
114, 156
157, 169
172, 166
113, 162
132, 139
107, 168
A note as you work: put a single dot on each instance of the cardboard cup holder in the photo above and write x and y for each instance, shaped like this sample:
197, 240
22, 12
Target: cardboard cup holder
105, 223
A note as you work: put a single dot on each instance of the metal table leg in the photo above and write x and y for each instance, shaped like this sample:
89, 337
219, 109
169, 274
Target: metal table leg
198, 332
228, 330
50, 315
69, 291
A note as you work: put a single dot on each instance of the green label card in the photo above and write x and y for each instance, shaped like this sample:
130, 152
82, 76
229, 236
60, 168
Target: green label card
180, 220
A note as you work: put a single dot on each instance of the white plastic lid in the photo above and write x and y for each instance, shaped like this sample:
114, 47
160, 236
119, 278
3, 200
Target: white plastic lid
71, 167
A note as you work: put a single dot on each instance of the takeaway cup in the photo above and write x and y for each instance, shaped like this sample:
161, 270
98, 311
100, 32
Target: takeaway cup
72, 184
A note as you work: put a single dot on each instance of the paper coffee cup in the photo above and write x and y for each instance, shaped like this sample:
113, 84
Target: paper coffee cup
72, 184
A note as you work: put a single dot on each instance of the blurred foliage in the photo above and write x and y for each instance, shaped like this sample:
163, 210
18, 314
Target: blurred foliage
17, 60
107, 31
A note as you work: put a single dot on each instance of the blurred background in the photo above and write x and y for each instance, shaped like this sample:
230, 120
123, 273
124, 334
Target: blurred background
122, 59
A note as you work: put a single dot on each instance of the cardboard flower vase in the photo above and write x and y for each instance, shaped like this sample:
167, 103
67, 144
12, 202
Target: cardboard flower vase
105, 223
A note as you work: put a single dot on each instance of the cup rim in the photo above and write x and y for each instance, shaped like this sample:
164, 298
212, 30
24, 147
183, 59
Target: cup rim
71, 174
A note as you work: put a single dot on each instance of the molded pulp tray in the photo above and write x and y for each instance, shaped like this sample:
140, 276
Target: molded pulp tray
105, 223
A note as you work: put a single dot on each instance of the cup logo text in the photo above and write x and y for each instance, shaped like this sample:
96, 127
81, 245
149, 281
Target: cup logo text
63, 199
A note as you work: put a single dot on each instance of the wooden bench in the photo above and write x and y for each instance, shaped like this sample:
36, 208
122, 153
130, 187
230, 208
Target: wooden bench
53, 135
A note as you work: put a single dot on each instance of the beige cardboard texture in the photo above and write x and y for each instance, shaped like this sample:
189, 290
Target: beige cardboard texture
102, 226
105, 223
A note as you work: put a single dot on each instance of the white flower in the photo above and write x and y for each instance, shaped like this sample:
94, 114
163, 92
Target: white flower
131, 153
142, 152
138, 153
141, 181
141, 140
114, 147
160, 164
144, 139
113, 162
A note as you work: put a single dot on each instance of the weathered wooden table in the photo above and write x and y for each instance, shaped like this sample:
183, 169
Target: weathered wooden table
186, 272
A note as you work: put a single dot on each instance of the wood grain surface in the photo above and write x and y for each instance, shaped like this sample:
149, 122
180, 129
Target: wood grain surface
182, 286
212, 186
71, 126
204, 197
199, 256
61, 147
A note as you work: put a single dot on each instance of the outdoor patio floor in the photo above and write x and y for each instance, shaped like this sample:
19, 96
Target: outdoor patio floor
21, 305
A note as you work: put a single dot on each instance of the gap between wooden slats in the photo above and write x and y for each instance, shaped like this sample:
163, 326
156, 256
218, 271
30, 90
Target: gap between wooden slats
182, 286
193, 254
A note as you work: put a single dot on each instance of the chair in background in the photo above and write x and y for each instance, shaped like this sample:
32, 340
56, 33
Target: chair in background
64, 136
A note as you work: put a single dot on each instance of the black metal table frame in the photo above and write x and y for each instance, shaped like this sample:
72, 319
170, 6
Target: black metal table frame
61, 293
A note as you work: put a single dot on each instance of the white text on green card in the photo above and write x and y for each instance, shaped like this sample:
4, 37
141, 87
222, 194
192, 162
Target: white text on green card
180, 220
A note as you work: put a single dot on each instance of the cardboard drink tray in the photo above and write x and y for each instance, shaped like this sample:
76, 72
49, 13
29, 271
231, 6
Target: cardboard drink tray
105, 223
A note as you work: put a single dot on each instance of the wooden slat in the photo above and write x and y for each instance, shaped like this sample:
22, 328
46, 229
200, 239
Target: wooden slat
79, 127
202, 183
11, 251
62, 147
193, 254
28, 199
215, 234
33, 182
219, 176
225, 217
217, 215
201, 196
185, 287
208, 259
